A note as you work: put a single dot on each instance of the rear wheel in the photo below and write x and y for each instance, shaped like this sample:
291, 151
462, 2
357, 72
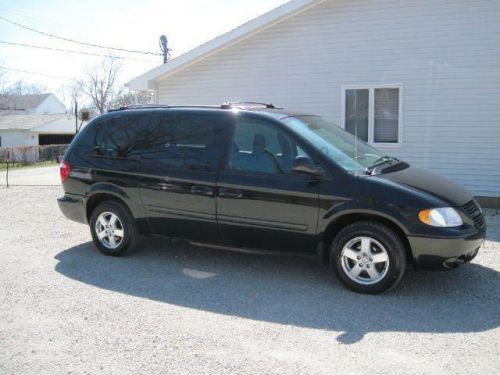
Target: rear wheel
368, 257
113, 228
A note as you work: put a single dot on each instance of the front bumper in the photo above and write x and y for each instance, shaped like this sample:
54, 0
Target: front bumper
430, 253
73, 208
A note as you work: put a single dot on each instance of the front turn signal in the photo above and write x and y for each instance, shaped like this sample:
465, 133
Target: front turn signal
444, 217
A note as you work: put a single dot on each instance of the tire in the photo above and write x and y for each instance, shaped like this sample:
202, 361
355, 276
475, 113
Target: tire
113, 220
368, 257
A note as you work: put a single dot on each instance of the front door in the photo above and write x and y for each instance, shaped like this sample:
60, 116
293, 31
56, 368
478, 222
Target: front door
261, 202
180, 171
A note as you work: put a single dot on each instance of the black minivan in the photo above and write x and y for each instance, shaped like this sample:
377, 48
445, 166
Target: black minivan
254, 177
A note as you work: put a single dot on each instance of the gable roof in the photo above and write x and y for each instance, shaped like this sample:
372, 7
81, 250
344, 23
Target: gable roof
28, 122
146, 80
21, 102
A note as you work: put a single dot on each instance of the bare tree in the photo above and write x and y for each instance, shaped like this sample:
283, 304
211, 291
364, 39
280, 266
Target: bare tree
68, 93
3, 80
23, 88
126, 98
100, 83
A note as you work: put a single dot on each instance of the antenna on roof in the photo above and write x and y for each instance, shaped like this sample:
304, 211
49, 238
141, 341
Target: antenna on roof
356, 131
164, 48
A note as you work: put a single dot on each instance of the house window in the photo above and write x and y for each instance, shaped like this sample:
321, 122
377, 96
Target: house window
373, 113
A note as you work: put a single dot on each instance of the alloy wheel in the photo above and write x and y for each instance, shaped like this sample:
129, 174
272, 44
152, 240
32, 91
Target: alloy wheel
365, 260
109, 230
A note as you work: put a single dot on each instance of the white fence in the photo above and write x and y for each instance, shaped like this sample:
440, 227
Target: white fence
32, 154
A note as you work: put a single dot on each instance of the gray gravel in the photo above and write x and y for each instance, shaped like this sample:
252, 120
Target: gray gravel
175, 308
32, 176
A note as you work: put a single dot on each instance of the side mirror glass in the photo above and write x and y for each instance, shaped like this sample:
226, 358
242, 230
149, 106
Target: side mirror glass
305, 165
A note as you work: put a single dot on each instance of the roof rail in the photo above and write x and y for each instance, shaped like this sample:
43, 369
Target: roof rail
139, 106
227, 105
247, 105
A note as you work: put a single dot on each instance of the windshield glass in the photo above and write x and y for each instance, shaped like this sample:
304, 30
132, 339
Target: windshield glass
341, 147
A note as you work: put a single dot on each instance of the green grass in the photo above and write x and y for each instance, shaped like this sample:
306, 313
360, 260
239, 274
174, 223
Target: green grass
51, 163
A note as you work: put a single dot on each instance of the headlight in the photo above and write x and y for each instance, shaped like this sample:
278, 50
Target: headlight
445, 217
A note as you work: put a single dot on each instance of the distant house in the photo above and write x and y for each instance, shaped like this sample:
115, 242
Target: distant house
41, 104
34, 130
32, 120
417, 79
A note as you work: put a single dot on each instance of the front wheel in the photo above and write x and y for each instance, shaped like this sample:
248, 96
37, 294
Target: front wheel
368, 257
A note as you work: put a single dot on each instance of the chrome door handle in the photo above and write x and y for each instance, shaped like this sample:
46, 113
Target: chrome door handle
163, 186
202, 190
230, 193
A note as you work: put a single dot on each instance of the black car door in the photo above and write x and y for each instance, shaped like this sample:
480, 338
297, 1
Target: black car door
179, 173
261, 202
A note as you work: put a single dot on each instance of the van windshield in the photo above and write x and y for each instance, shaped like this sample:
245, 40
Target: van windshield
341, 147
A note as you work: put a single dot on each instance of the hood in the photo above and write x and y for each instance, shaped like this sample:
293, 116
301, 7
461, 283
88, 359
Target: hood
431, 183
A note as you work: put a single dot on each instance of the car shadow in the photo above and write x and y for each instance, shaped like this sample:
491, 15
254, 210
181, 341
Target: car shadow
290, 290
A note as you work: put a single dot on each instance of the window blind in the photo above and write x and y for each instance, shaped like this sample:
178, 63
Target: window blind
386, 115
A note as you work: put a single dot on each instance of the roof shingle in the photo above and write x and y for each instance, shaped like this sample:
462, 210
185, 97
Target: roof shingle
27, 122
21, 102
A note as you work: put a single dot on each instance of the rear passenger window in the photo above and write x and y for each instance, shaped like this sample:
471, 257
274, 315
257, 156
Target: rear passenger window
124, 136
187, 141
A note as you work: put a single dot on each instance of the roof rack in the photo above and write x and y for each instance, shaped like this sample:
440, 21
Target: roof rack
139, 106
247, 105
227, 105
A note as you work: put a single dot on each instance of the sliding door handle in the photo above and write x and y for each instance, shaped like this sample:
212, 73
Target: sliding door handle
202, 190
230, 193
165, 187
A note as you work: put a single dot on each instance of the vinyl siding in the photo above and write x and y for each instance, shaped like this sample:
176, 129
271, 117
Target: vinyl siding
445, 54
18, 138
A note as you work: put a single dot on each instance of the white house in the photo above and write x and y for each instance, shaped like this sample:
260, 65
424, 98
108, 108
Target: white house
31, 104
32, 120
34, 130
418, 79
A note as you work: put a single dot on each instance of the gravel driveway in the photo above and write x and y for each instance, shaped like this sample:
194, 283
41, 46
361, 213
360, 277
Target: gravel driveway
32, 176
174, 308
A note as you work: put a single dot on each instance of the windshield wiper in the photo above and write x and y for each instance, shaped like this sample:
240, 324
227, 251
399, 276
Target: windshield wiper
384, 159
380, 162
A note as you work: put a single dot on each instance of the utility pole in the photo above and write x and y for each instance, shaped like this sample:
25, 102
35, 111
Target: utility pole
164, 48
76, 117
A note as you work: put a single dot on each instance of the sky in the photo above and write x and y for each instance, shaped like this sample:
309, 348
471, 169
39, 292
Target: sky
129, 24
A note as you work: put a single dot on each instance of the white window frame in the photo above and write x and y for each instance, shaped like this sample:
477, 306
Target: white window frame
371, 111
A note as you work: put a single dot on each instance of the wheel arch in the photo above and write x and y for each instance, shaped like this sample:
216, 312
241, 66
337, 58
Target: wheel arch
104, 193
340, 222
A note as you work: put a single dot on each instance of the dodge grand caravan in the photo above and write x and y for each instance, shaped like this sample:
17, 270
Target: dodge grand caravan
249, 176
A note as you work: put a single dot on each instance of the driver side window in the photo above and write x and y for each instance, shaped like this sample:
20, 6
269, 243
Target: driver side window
261, 147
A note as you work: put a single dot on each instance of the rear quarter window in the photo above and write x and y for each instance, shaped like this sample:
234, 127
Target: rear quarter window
113, 142
124, 136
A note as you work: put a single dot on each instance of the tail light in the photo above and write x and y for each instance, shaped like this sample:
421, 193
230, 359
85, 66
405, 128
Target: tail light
64, 170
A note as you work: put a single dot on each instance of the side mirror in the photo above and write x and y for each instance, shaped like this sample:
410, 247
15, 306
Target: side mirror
303, 164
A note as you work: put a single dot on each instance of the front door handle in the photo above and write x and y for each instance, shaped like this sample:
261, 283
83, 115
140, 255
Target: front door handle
164, 186
202, 190
230, 193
